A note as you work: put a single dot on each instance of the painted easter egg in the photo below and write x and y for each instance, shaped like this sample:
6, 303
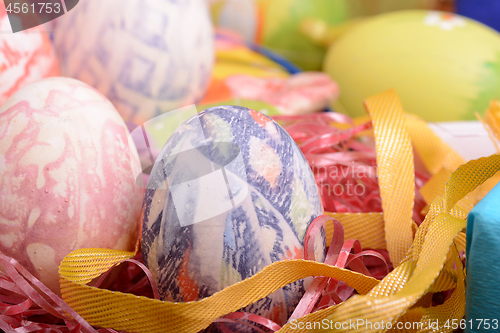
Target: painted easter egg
146, 57
443, 66
25, 57
67, 167
229, 194
281, 23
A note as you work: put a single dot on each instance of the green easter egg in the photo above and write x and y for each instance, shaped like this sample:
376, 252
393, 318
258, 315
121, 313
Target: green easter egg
281, 20
443, 66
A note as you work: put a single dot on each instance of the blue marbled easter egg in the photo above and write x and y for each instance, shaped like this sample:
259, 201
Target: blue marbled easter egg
229, 194
146, 56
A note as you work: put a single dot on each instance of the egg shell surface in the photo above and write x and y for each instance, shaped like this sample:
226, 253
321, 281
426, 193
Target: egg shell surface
281, 21
444, 67
229, 194
25, 57
147, 57
67, 180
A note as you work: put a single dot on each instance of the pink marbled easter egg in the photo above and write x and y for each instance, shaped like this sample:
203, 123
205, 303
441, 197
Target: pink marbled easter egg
25, 57
67, 168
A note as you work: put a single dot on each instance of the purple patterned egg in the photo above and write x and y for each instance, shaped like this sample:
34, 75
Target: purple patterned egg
146, 56
229, 194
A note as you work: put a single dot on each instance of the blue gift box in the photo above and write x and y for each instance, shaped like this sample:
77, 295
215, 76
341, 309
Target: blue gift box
483, 268
485, 11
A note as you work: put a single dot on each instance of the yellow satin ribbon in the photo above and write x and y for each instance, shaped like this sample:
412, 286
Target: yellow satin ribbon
403, 296
492, 122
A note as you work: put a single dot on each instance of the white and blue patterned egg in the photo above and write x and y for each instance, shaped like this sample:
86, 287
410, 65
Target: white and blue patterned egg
229, 194
146, 56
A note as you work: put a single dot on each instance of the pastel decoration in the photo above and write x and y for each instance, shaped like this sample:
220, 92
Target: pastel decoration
301, 93
244, 73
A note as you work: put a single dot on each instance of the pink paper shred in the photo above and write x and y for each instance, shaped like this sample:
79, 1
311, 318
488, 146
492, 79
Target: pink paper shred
323, 292
343, 161
27, 305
